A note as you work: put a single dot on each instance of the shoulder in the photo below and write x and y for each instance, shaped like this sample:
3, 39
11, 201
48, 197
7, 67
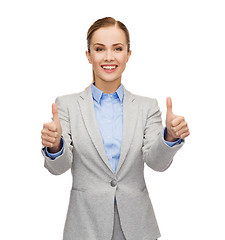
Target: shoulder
147, 105
144, 100
139, 98
69, 98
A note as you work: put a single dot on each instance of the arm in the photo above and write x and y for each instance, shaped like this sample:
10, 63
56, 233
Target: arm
156, 153
64, 161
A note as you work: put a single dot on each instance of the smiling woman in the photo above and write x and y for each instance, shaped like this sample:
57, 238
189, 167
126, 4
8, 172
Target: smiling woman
105, 134
108, 52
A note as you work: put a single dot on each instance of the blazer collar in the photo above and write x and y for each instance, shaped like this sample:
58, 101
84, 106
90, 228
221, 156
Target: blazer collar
130, 115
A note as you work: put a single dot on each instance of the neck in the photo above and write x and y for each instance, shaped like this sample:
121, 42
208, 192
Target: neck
108, 87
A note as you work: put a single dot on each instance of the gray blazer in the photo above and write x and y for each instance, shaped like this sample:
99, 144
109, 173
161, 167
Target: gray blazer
91, 208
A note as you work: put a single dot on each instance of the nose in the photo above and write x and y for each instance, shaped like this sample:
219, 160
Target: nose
109, 56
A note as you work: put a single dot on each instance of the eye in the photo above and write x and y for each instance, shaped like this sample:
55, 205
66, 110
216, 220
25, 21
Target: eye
99, 49
118, 49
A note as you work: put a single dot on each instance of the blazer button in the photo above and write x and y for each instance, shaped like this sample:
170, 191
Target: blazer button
113, 183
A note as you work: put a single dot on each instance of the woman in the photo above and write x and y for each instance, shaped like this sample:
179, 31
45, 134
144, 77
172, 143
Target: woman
105, 134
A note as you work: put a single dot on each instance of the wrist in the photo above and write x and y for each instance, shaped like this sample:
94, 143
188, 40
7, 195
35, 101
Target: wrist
168, 137
56, 148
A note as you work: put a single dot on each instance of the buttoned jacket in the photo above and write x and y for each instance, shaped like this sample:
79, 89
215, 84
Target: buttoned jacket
91, 208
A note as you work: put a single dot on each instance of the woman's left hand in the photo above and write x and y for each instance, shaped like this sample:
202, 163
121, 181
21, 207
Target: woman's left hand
176, 126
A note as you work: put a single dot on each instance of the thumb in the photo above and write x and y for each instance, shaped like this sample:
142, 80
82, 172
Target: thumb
55, 112
169, 105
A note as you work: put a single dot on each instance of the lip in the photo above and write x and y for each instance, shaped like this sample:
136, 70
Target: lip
109, 70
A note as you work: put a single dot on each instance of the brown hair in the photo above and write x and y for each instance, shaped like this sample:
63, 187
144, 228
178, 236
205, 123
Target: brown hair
106, 22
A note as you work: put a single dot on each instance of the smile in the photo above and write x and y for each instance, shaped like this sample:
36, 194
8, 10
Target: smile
109, 68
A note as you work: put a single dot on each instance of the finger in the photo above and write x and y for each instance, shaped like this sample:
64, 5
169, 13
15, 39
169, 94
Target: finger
55, 112
183, 124
47, 144
169, 105
182, 131
49, 133
51, 126
177, 121
48, 139
184, 135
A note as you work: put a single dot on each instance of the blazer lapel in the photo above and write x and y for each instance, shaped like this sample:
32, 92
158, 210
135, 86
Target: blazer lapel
88, 113
130, 114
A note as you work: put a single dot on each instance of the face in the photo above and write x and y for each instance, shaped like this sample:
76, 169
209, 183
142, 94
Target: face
108, 54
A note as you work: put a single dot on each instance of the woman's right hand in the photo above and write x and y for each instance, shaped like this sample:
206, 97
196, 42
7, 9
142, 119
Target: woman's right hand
52, 132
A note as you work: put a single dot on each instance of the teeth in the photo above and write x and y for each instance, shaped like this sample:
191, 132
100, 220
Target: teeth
109, 67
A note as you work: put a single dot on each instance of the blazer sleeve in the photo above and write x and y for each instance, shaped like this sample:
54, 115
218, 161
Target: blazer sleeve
156, 153
63, 162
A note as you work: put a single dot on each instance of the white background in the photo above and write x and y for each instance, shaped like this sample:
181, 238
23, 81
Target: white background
178, 51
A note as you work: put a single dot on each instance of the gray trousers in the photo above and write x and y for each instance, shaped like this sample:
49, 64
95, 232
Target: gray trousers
117, 230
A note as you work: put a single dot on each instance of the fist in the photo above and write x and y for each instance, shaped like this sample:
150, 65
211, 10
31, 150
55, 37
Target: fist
176, 126
52, 132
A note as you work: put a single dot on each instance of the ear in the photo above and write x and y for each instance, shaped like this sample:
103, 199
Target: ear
128, 55
88, 57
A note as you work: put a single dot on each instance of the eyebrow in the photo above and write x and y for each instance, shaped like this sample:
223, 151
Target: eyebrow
113, 44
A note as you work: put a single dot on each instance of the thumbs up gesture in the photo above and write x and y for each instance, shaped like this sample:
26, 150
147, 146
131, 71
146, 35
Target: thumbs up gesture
176, 126
52, 132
